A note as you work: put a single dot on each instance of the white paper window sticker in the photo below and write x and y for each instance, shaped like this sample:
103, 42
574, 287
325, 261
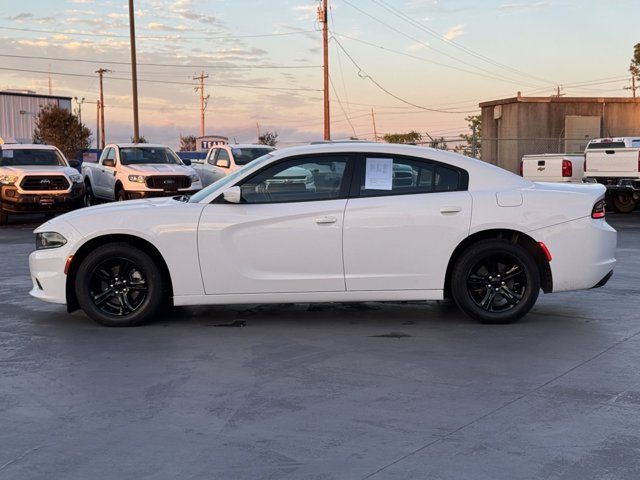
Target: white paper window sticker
7, 153
379, 174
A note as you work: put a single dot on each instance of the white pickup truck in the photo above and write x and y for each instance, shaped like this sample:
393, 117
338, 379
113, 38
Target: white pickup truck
221, 160
553, 167
128, 171
37, 179
615, 163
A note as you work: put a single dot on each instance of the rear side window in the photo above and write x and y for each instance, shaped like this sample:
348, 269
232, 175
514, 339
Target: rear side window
398, 176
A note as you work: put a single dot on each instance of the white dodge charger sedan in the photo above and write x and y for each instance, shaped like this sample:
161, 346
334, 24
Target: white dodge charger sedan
335, 222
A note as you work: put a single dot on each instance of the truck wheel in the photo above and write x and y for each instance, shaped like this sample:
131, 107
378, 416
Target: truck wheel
89, 199
623, 202
495, 281
4, 217
121, 196
119, 285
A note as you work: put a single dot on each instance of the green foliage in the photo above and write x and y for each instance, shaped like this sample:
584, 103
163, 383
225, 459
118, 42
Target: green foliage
141, 139
268, 138
61, 128
634, 68
188, 143
466, 147
439, 143
410, 137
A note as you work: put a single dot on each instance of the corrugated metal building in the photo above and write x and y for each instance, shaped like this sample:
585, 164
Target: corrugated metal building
513, 127
19, 109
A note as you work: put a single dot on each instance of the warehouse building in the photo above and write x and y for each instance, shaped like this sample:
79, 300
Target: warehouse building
19, 109
517, 126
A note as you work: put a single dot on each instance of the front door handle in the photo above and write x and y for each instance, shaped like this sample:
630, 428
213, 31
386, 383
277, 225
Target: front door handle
446, 210
326, 219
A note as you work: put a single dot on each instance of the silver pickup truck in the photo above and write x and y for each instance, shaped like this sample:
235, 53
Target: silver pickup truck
221, 160
128, 171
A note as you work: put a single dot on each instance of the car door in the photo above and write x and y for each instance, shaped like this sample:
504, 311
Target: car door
214, 171
103, 174
284, 236
407, 217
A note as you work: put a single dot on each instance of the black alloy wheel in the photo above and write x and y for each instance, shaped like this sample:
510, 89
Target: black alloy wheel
497, 283
118, 287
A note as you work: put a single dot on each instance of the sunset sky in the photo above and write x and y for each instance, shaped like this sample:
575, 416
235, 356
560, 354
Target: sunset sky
442, 55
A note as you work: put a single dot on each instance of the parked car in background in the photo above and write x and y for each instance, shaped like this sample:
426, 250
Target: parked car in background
615, 163
553, 167
128, 171
37, 179
333, 223
221, 160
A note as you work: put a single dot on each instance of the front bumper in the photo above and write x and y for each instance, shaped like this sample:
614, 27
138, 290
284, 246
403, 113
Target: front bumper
138, 194
615, 184
14, 201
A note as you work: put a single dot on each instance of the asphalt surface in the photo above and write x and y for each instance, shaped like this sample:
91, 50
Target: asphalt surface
382, 391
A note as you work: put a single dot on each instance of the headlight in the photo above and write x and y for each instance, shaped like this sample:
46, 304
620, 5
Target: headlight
137, 178
76, 178
8, 179
195, 178
47, 240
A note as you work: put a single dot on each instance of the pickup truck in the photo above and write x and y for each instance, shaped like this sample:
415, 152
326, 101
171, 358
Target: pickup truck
221, 160
128, 171
615, 163
553, 167
37, 179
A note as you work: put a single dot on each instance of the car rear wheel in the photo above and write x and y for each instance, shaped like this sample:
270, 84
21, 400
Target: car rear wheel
89, 199
495, 281
623, 202
119, 285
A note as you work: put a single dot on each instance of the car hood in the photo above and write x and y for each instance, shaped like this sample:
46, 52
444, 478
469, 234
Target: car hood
38, 170
160, 169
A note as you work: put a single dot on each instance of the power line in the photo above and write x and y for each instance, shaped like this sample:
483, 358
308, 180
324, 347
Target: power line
335, 92
84, 60
157, 37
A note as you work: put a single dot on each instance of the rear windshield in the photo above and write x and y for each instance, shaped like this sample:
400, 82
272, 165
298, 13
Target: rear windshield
146, 155
24, 156
607, 145
243, 156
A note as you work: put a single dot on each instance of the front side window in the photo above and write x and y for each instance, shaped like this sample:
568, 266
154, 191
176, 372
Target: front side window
148, 155
298, 180
212, 158
24, 156
222, 158
397, 176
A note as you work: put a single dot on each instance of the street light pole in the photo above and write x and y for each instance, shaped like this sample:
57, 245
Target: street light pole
134, 72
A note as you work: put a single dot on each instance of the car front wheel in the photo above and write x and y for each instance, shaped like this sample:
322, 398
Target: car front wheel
495, 281
119, 285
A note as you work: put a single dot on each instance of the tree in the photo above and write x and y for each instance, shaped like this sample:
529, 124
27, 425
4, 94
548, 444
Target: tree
59, 127
439, 142
468, 140
634, 68
188, 143
268, 138
141, 139
410, 137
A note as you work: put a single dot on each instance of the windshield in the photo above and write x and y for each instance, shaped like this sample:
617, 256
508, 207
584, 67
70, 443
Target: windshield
145, 155
226, 181
243, 156
24, 156
607, 145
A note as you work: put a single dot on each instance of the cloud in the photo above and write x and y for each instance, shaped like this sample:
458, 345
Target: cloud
416, 47
20, 16
305, 12
522, 7
454, 32
165, 27
82, 2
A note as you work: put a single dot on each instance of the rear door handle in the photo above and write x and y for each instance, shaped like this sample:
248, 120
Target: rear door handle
445, 210
326, 219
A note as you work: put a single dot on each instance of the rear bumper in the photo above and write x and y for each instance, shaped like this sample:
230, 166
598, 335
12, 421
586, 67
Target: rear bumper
14, 201
616, 184
583, 253
138, 194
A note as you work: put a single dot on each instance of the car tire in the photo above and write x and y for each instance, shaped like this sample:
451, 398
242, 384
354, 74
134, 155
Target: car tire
121, 195
89, 198
119, 285
4, 217
495, 281
623, 202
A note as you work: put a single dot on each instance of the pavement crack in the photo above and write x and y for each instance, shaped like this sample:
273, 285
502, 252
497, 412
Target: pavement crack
20, 457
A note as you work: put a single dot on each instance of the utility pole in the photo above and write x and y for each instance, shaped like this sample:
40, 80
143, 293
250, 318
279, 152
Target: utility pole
203, 99
100, 73
50, 84
134, 73
559, 91
635, 72
323, 18
98, 125
79, 105
375, 130
258, 131
474, 141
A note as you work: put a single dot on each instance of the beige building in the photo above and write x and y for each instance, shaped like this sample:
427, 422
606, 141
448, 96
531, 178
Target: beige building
513, 127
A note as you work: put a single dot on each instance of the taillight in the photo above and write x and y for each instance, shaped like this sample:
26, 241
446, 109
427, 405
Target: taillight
567, 168
521, 168
599, 209
639, 161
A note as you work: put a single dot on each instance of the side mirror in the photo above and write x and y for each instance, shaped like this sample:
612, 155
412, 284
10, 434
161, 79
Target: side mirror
74, 164
223, 163
186, 161
109, 162
232, 195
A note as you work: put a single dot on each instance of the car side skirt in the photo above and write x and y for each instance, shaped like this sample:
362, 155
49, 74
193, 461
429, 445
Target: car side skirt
310, 297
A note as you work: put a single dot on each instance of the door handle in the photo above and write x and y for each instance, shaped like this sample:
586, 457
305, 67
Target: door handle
326, 219
445, 210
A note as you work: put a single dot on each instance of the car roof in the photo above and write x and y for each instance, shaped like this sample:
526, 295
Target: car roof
27, 146
246, 145
139, 145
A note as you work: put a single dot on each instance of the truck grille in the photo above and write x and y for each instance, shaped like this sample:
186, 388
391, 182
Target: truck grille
48, 183
173, 182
